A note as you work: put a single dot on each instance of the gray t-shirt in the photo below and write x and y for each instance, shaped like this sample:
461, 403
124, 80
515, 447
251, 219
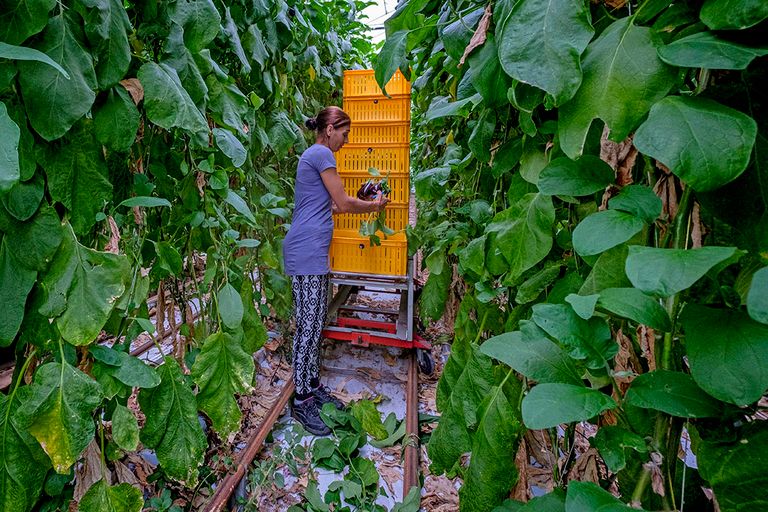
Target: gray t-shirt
305, 249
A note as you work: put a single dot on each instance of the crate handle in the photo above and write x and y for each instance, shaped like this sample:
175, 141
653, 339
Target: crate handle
375, 102
361, 246
370, 150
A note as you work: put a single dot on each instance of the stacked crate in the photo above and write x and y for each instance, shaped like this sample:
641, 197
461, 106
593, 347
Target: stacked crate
380, 138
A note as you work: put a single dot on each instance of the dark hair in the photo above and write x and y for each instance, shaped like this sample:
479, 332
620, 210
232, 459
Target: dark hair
333, 116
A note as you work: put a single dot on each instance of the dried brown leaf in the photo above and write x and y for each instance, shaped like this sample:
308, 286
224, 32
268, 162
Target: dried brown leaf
697, 227
114, 239
586, 468
657, 479
647, 338
89, 472
134, 88
620, 156
520, 491
478, 38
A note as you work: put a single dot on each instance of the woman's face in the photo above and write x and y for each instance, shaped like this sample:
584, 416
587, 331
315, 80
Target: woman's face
337, 137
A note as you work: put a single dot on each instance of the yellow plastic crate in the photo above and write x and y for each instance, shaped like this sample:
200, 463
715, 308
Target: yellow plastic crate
378, 108
371, 133
387, 158
362, 82
352, 253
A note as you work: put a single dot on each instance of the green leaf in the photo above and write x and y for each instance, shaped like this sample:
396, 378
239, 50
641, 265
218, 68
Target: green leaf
230, 146
550, 404
434, 295
53, 102
706, 50
101, 497
34, 242
523, 233
370, 418
239, 204
11, 52
77, 177
430, 183
221, 370
58, 412
757, 298
166, 102
229, 29
472, 257
736, 470
487, 76
168, 258
482, 136
531, 353
727, 353
283, 133
634, 304
145, 201
172, 427
199, 19
612, 442
584, 339
588, 497
623, 78
364, 472
24, 198
9, 151
125, 428
20, 19
581, 177
492, 472
703, 142
227, 105
608, 272
532, 162
254, 332
583, 305
733, 14
532, 287
665, 272
541, 42
391, 57
116, 121
23, 464
17, 282
442, 106
638, 200
106, 27
603, 230
674, 393
133, 372
457, 32
82, 287
230, 306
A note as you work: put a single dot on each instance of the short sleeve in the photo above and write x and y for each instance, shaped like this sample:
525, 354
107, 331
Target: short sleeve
324, 159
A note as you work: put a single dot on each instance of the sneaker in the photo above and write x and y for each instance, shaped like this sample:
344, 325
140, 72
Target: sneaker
323, 395
307, 413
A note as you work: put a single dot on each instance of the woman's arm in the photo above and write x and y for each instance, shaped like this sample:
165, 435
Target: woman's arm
344, 202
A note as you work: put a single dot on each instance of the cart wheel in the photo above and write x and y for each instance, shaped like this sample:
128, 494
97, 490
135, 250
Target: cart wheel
425, 361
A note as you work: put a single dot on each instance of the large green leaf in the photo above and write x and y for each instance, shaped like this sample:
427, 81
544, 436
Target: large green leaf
129, 370
101, 497
370, 418
733, 14
116, 121
434, 295
230, 306
58, 412
24, 198
612, 441
639, 200
15, 284
33, 242
531, 353
20, 19
227, 104
550, 404
54, 103
391, 58
492, 473
221, 370
736, 470
81, 288
172, 428
77, 177
482, 136
106, 27
283, 133
9, 151
703, 142
23, 464
11, 52
199, 19
757, 298
230, 146
581, 177
125, 428
706, 50
634, 304
623, 78
166, 102
608, 272
524, 233
487, 76
589, 497
541, 42
186, 65
665, 272
604, 230
727, 353
674, 393
584, 339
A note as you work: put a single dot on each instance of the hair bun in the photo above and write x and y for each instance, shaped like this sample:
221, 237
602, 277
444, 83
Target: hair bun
311, 123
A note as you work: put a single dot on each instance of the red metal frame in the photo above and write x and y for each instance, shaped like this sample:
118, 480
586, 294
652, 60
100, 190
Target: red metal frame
365, 338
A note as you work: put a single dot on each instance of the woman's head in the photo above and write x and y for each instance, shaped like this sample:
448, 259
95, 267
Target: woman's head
331, 126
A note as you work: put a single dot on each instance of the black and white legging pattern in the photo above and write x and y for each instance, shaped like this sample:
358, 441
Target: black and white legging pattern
310, 302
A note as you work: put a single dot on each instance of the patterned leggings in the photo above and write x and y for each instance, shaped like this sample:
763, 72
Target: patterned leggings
310, 302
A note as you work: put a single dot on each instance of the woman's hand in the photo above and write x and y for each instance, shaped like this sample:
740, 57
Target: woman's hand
380, 202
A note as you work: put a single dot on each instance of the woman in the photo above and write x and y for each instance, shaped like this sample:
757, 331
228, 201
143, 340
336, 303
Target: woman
319, 193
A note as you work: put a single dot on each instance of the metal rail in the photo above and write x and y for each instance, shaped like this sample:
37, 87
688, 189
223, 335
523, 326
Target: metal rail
411, 462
